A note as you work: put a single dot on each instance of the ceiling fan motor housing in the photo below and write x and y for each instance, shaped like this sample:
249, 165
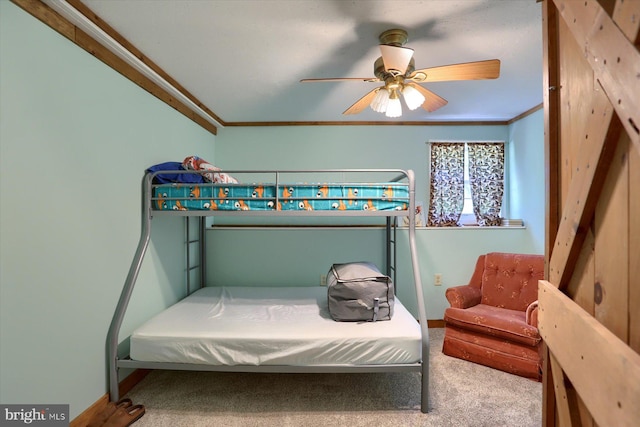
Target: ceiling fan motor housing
394, 37
381, 73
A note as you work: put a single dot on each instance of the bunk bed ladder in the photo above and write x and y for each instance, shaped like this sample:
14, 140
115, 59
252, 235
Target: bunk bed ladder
392, 259
199, 262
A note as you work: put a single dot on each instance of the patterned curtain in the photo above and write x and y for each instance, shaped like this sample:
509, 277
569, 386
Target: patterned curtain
486, 176
446, 189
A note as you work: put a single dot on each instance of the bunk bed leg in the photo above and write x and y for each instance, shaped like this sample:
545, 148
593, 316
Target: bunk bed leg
422, 313
424, 396
127, 290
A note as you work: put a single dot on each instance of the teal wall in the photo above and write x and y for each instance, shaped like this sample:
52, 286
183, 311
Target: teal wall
526, 176
81, 133
75, 137
284, 257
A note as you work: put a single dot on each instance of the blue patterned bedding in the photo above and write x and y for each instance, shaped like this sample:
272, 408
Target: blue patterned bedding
290, 197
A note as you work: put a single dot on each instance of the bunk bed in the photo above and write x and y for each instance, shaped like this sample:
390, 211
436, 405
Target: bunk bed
273, 329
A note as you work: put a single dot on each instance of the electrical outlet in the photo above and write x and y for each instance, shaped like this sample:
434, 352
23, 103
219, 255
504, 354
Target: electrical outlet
437, 279
323, 280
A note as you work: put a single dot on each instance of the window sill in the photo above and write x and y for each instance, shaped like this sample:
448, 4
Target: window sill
477, 227
469, 227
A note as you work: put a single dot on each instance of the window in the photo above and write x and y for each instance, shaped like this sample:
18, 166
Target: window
466, 183
467, 216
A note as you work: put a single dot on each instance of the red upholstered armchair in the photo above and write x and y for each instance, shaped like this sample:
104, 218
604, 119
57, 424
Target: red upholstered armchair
493, 320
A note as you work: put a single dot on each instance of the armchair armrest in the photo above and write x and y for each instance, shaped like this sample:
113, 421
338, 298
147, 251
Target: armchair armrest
464, 296
531, 316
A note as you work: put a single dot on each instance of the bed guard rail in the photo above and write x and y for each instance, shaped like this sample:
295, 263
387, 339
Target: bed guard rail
263, 191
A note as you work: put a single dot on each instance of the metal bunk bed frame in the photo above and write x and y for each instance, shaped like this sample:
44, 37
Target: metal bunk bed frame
115, 362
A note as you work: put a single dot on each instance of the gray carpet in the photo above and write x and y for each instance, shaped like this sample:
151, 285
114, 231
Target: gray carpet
462, 394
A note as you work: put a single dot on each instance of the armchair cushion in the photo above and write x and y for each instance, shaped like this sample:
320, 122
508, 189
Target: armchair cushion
498, 322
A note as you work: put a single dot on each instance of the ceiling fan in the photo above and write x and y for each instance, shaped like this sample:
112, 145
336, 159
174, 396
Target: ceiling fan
396, 69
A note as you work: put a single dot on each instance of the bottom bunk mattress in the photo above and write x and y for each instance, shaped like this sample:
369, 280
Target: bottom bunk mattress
272, 326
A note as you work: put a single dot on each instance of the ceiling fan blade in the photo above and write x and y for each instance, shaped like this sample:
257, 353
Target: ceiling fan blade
396, 58
342, 79
362, 103
431, 101
480, 70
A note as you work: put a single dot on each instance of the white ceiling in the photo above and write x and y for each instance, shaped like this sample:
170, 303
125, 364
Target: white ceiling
244, 59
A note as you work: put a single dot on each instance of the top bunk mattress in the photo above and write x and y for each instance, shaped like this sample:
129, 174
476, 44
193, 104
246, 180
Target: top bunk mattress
272, 326
387, 196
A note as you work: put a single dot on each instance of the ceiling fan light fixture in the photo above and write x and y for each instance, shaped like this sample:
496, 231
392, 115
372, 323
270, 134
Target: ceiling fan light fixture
381, 100
412, 97
394, 108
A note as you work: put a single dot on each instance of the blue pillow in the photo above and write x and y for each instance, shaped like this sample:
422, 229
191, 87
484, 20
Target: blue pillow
168, 178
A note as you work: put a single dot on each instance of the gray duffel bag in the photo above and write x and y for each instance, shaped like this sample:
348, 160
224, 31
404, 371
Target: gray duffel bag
358, 292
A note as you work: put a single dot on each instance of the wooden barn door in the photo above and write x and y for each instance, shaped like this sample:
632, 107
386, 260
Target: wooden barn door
590, 304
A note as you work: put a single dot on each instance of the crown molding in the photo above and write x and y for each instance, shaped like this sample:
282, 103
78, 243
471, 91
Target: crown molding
373, 123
